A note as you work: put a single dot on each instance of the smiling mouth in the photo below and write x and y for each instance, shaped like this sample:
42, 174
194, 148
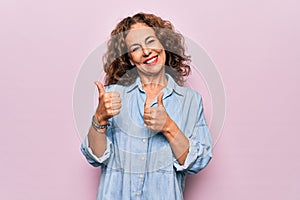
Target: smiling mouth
151, 61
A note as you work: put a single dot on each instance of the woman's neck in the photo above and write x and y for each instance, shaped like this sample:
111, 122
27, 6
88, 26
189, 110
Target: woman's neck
153, 86
154, 82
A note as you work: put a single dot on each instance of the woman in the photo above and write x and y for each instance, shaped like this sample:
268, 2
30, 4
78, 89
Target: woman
148, 132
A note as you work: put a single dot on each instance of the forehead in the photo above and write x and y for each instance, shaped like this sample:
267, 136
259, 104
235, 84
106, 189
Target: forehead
138, 32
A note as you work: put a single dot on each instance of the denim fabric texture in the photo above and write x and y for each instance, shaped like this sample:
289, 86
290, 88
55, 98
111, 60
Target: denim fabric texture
138, 163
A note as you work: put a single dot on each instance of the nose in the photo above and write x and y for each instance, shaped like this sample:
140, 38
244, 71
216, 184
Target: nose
146, 51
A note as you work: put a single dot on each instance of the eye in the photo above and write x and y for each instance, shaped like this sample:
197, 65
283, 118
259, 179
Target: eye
150, 41
133, 49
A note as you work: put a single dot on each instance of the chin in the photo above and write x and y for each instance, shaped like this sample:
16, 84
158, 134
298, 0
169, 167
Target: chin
153, 70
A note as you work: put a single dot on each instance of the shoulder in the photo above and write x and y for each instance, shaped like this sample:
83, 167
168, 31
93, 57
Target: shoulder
188, 93
183, 91
115, 88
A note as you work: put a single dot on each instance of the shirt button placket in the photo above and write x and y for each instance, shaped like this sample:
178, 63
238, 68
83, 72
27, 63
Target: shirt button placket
138, 194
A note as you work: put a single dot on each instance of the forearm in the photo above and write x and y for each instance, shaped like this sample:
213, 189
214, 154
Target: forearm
97, 141
178, 142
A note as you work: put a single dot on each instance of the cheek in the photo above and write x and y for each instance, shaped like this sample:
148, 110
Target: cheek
135, 57
164, 56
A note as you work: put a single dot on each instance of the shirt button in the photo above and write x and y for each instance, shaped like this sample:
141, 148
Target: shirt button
141, 176
143, 158
144, 140
138, 194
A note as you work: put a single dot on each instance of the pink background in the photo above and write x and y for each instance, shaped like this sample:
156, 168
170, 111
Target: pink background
255, 45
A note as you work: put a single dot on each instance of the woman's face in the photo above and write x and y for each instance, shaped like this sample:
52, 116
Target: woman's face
145, 50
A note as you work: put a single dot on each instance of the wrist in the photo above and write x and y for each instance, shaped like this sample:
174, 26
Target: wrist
100, 120
170, 129
99, 127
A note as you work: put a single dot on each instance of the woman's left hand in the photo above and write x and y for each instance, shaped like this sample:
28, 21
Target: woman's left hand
157, 118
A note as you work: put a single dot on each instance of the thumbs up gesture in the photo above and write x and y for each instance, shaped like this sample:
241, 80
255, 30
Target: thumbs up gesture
109, 104
157, 118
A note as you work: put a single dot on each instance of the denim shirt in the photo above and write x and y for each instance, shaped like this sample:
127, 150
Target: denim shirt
138, 163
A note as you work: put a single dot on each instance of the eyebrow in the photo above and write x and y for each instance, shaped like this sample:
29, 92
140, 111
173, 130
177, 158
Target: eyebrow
150, 36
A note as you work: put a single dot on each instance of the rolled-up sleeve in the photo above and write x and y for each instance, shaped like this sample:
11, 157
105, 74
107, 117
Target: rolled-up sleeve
200, 150
91, 157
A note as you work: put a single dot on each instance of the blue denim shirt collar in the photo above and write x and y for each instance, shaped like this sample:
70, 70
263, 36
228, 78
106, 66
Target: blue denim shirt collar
171, 86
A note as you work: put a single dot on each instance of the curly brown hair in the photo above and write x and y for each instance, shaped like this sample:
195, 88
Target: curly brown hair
117, 67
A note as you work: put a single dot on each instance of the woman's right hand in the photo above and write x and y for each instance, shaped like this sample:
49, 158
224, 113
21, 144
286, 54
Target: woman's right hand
109, 104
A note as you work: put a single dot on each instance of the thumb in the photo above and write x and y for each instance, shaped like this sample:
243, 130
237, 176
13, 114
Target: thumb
100, 88
159, 99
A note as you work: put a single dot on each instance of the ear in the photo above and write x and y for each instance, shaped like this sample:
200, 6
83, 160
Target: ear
131, 63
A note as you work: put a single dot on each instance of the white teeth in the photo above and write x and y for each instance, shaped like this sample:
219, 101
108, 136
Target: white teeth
151, 60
